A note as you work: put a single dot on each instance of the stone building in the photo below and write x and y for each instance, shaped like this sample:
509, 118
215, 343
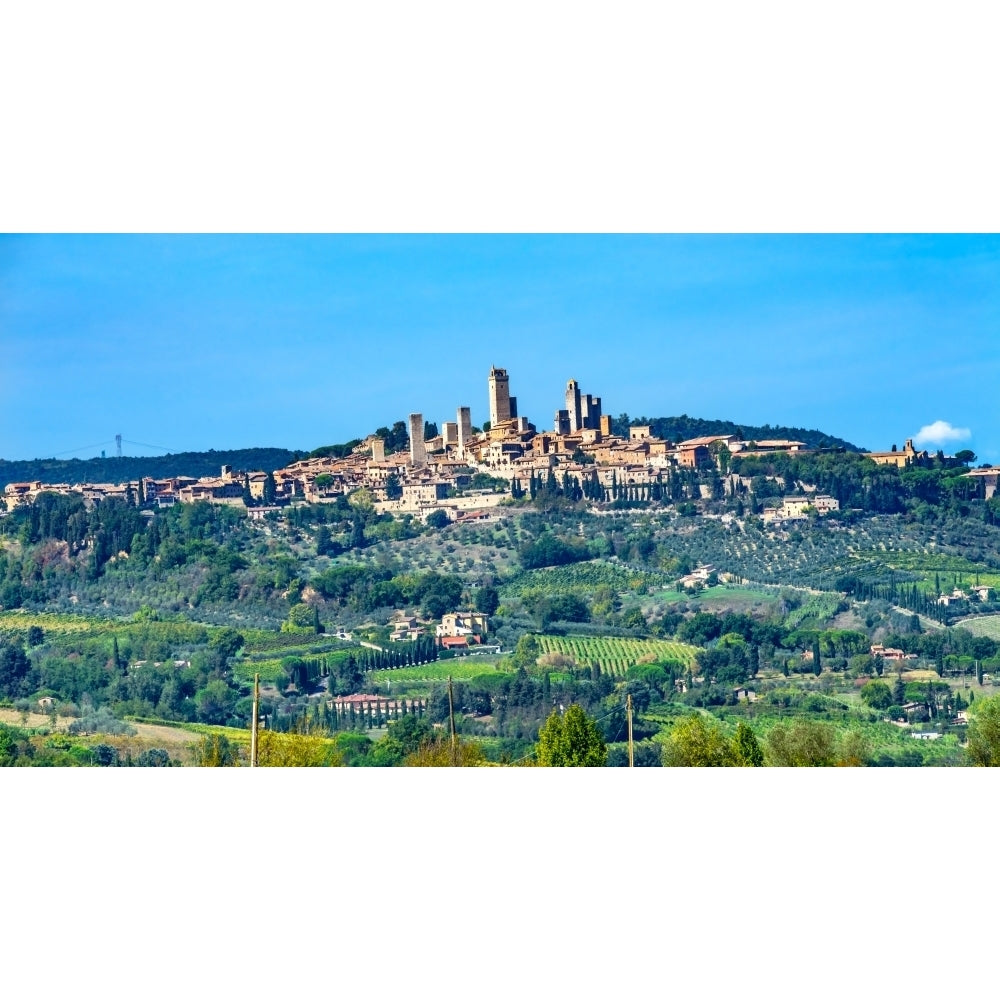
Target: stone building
418, 454
500, 400
464, 429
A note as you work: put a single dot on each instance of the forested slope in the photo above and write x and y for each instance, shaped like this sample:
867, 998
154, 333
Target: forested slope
120, 470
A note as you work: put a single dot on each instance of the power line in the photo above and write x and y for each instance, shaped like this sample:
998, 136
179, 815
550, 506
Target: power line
142, 444
116, 441
82, 448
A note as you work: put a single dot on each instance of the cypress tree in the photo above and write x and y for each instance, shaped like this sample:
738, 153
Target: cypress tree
898, 690
358, 533
270, 488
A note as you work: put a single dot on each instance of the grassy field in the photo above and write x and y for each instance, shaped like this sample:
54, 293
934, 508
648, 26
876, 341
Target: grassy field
716, 599
269, 670
737, 597
986, 625
20, 621
404, 679
615, 655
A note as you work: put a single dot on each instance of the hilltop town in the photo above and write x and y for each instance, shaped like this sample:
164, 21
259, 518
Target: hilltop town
757, 576
464, 470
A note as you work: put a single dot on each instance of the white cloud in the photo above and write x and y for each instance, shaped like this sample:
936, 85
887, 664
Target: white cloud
940, 432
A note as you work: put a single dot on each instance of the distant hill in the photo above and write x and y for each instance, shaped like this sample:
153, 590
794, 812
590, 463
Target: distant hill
684, 427
119, 470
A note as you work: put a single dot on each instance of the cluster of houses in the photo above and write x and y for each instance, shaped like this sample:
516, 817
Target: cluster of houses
438, 473
799, 508
228, 487
457, 630
890, 653
976, 593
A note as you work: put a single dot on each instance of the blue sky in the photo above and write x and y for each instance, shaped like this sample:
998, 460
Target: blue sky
197, 342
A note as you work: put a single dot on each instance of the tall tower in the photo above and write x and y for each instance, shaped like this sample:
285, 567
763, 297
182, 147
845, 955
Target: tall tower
499, 396
595, 413
418, 455
573, 404
590, 412
464, 429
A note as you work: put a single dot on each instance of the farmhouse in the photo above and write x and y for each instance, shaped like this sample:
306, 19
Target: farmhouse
462, 623
888, 653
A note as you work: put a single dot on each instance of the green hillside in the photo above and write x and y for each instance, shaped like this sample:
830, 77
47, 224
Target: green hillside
120, 470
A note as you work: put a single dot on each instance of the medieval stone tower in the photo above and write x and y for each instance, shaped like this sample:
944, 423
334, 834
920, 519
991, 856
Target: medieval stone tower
418, 454
499, 396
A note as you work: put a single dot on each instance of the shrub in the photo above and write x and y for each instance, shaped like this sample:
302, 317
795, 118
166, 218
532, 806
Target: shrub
697, 742
438, 519
215, 750
801, 744
984, 732
571, 740
877, 695
101, 721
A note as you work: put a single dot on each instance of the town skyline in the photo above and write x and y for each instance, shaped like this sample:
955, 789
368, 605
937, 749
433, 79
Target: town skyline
192, 343
416, 467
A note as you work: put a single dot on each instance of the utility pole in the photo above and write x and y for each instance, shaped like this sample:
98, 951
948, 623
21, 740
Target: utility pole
253, 720
628, 713
451, 716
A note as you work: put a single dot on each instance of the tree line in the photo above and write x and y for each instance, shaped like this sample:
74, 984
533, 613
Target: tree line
130, 468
